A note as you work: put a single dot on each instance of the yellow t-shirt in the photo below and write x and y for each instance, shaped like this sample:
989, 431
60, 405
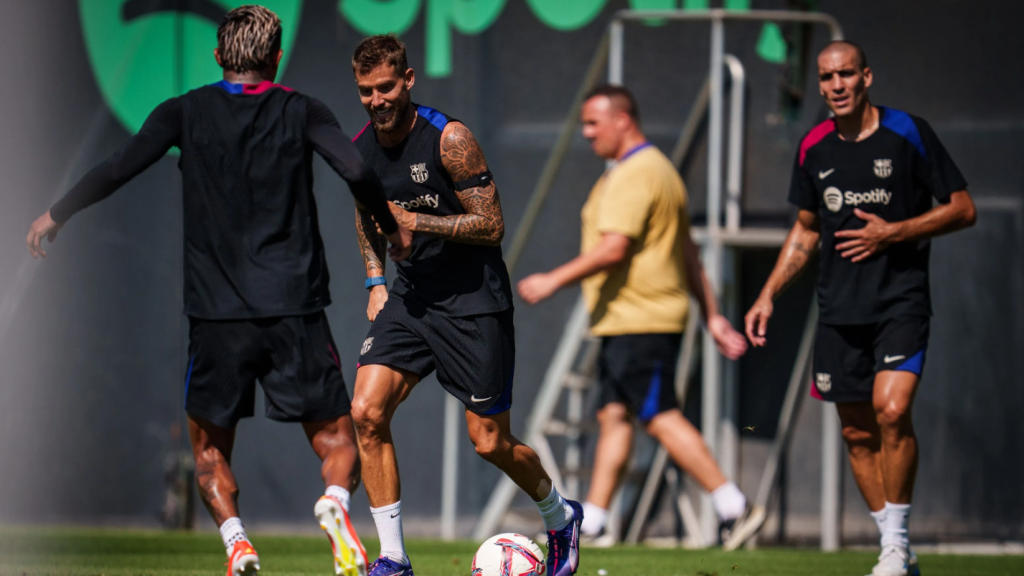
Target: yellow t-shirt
643, 198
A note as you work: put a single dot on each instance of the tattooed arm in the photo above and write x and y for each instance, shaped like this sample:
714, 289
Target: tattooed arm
482, 223
372, 245
800, 244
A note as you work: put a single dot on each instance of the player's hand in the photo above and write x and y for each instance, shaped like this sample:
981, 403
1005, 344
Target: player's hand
378, 296
757, 320
43, 227
402, 216
729, 342
401, 243
537, 287
874, 237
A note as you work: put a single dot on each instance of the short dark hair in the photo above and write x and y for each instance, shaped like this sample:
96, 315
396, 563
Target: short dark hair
620, 97
377, 50
249, 38
860, 51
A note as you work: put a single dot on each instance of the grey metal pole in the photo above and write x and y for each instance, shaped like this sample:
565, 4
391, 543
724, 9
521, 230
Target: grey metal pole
711, 400
616, 33
831, 481
450, 467
729, 430
835, 30
734, 177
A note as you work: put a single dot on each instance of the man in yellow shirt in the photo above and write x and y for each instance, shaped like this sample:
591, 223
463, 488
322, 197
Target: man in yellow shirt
637, 266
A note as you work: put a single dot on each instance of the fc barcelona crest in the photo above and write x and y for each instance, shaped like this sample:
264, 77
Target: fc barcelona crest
419, 173
883, 168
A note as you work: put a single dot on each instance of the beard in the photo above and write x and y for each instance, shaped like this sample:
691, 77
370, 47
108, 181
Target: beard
401, 108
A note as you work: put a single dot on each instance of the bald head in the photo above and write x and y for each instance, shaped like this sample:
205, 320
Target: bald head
844, 78
845, 46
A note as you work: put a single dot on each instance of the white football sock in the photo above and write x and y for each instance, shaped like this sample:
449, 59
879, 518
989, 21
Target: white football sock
897, 525
594, 519
231, 531
341, 494
879, 516
389, 528
729, 502
555, 510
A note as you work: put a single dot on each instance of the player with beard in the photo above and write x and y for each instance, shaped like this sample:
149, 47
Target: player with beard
864, 183
255, 273
450, 308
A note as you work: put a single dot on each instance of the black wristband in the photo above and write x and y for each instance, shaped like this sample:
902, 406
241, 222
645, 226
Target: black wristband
481, 179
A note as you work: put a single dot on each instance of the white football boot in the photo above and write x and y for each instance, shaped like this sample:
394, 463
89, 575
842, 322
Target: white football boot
896, 561
349, 554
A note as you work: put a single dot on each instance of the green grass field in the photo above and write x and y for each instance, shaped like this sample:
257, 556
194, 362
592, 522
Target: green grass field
115, 553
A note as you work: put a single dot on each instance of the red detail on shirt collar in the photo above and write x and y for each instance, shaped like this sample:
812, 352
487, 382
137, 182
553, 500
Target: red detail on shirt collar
817, 134
361, 132
262, 87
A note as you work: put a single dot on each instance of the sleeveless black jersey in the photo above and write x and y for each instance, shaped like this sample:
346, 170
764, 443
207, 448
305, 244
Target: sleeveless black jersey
455, 278
893, 173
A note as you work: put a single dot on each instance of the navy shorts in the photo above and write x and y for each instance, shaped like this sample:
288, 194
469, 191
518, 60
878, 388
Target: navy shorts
475, 356
846, 358
639, 370
293, 357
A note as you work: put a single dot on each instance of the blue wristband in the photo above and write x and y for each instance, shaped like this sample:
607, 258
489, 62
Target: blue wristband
376, 281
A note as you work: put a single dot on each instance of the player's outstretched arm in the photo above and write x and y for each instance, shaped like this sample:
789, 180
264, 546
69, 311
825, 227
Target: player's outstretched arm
796, 252
612, 249
483, 222
729, 342
158, 134
373, 247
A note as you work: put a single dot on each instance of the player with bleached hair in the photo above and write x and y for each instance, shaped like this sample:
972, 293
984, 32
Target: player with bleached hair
256, 281
864, 182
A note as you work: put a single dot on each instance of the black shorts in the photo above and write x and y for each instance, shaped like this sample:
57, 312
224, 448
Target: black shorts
475, 356
293, 357
846, 358
639, 370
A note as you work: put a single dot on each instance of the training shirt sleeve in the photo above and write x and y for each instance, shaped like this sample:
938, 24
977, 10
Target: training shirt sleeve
158, 134
327, 138
801, 188
935, 170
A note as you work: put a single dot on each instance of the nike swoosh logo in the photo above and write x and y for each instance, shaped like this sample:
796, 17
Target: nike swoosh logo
890, 359
823, 175
395, 515
475, 399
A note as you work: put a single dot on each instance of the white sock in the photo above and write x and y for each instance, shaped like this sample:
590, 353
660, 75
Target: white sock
231, 531
555, 510
897, 524
389, 528
341, 494
729, 502
594, 519
879, 516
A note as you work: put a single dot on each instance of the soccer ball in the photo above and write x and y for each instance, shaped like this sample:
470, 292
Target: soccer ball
508, 555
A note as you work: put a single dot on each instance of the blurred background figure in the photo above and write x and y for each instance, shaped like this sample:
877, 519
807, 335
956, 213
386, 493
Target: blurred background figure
637, 265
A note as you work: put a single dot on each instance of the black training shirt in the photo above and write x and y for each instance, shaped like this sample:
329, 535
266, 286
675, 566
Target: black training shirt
456, 278
894, 173
252, 239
